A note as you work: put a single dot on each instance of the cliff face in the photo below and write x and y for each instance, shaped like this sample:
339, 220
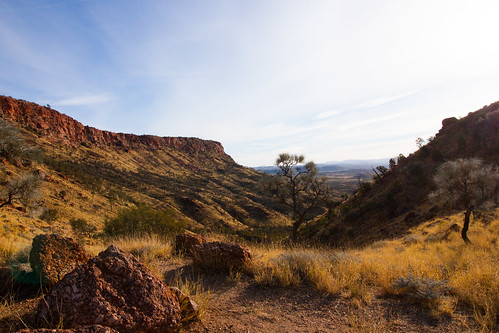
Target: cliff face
63, 129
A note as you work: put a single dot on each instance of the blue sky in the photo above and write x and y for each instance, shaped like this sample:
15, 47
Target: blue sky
333, 80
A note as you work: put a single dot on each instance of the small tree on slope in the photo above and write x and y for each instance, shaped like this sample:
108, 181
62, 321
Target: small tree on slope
24, 188
297, 186
467, 184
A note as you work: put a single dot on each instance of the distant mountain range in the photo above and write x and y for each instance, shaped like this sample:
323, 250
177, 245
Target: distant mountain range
336, 166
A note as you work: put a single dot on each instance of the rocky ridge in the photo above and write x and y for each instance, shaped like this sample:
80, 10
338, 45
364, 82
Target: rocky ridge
61, 128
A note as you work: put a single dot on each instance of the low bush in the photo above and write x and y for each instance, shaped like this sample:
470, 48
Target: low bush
82, 228
143, 220
49, 215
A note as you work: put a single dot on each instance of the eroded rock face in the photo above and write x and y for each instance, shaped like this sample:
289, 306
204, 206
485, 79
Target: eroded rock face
184, 242
61, 128
221, 255
113, 290
53, 256
84, 329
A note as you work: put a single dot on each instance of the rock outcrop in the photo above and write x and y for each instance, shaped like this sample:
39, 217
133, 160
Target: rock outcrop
221, 255
63, 129
185, 241
113, 290
53, 256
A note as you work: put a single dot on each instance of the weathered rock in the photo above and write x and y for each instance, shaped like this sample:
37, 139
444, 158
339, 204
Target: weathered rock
221, 255
188, 308
185, 241
53, 256
83, 329
114, 290
60, 128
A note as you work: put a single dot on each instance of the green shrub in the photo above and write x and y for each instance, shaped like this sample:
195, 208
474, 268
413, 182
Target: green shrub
82, 228
142, 220
49, 215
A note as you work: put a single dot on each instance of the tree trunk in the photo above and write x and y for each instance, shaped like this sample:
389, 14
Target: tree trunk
466, 226
8, 202
294, 236
296, 225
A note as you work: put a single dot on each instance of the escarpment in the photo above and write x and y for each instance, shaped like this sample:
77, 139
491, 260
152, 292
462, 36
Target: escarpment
63, 129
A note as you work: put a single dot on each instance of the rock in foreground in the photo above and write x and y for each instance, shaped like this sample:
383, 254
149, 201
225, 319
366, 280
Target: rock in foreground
53, 256
113, 290
221, 255
185, 241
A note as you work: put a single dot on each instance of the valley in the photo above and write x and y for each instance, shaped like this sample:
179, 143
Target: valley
385, 256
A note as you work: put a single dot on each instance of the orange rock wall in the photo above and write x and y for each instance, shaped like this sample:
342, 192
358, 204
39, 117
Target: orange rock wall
60, 128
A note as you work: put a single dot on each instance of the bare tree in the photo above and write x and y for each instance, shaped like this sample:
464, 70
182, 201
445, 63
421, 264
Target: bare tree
420, 142
13, 146
467, 184
297, 186
24, 188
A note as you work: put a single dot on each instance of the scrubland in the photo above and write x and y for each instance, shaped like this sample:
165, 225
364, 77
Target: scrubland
430, 267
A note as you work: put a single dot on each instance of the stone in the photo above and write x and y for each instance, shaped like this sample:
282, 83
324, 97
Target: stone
221, 255
62, 129
188, 308
114, 290
53, 256
185, 241
83, 329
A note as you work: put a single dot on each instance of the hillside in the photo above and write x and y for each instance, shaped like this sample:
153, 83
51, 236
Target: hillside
90, 173
389, 207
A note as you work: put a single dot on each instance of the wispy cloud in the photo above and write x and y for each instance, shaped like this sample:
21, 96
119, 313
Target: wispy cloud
85, 100
380, 101
324, 78
368, 104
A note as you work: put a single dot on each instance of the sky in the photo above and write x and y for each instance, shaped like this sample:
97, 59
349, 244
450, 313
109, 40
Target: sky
333, 80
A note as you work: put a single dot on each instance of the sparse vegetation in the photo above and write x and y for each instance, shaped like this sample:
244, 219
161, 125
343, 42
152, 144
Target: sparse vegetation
429, 267
438, 275
49, 215
467, 184
13, 146
297, 186
143, 220
24, 188
82, 228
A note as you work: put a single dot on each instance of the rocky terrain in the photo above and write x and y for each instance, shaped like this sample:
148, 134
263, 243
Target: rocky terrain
92, 174
399, 199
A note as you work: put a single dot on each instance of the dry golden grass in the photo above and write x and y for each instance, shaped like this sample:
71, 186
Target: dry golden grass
9, 248
443, 272
151, 250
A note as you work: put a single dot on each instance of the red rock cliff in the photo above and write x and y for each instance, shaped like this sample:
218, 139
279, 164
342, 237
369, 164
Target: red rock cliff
60, 128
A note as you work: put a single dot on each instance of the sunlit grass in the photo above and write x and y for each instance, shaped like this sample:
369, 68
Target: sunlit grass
10, 248
151, 250
470, 273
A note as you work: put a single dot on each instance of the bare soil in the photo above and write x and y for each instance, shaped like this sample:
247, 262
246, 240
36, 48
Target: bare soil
235, 303
240, 305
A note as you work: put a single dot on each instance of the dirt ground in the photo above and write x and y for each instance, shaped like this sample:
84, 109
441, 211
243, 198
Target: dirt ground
235, 303
240, 305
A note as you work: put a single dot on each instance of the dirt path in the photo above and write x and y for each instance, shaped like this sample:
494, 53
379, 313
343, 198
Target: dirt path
243, 306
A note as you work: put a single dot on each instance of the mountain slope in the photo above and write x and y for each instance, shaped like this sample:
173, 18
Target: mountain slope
94, 172
399, 201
